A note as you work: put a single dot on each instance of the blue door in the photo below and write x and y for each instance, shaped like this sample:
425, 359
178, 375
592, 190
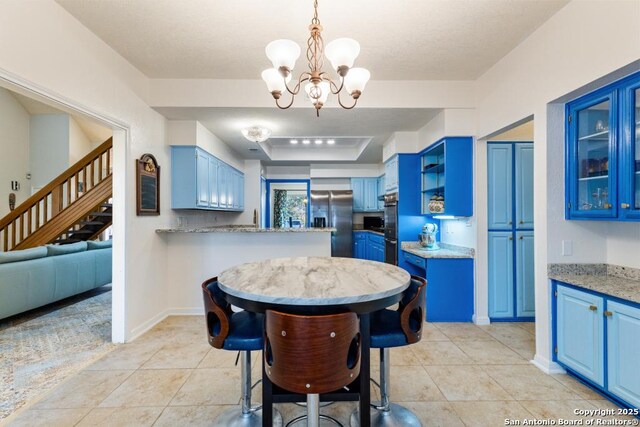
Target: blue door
501, 274
525, 275
357, 186
580, 333
630, 168
202, 179
359, 245
371, 194
500, 186
524, 185
623, 351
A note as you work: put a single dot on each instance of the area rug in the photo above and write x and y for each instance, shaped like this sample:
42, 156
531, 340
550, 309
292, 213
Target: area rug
41, 348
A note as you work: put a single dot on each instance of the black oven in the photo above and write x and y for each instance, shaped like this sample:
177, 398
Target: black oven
391, 228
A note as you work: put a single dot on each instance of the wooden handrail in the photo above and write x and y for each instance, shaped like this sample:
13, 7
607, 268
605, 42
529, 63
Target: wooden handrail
55, 197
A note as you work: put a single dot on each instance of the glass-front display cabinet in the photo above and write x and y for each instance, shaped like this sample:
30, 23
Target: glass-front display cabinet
603, 159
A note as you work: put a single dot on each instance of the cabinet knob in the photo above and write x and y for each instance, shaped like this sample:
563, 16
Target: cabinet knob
607, 205
521, 237
521, 222
593, 308
625, 205
608, 313
510, 237
510, 222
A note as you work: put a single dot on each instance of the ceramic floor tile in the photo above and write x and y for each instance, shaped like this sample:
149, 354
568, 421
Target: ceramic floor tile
411, 384
527, 326
466, 383
526, 382
435, 414
489, 414
490, 352
463, 332
192, 416
400, 356
585, 392
557, 409
120, 417
177, 355
127, 356
440, 353
84, 390
48, 417
148, 388
430, 332
210, 387
606, 404
506, 331
525, 348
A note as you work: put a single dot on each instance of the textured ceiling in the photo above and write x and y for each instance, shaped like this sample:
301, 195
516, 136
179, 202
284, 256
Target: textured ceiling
400, 40
375, 123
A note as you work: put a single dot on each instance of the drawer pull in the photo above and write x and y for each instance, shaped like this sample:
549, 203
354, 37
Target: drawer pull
608, 313
625, 205
593, 308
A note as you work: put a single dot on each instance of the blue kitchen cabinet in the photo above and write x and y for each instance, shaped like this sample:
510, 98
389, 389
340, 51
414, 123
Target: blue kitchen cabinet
391, 174
357, 186
447, 172
500, 186
199, 180
449, 290
623, 352
524, 185
501, 277
360, 245
381, 192
580, 332
525, 274
375, 247
603, 159
365, 194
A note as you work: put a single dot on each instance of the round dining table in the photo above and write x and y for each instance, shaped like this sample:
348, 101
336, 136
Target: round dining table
317, 286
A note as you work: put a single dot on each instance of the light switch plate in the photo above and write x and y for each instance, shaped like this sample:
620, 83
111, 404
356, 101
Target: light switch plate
567, 247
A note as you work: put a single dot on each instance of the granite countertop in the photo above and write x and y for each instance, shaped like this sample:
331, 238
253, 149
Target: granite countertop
613, 280
362, 230
243, 229
314, 281
446, 251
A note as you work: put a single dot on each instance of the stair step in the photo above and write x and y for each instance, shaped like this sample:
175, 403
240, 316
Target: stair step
66, 241
91, 223
74, 232
106, 205
100, 214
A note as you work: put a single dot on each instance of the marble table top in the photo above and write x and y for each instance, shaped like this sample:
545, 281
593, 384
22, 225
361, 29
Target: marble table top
314, 281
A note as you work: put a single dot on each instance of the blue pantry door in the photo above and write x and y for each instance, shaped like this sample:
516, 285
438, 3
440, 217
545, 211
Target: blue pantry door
500, 274
580, 333
500, 190
525, 274
623, 331
524, 185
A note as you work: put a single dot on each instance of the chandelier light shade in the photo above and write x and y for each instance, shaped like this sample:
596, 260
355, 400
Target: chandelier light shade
256, 133
318, 83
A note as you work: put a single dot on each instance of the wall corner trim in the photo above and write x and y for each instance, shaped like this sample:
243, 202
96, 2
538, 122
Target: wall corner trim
547, 366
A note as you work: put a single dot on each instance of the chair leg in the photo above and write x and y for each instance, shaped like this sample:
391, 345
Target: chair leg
246, 416
387, 414
313, 410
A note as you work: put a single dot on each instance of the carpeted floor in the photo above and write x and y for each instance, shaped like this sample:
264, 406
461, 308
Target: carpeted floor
42, 347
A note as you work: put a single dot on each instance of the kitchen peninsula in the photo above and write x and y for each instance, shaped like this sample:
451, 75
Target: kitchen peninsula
194, 254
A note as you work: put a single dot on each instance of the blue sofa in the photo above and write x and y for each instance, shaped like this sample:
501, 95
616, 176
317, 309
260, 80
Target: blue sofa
35, 277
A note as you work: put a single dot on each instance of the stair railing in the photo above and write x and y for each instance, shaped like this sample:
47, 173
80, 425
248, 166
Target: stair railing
57, 195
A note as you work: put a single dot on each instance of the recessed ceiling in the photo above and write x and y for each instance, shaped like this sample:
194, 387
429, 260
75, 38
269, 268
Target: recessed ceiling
400, 40
364, 129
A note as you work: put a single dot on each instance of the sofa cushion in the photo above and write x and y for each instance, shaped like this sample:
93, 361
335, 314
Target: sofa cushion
53, 250
23, 255
94, 244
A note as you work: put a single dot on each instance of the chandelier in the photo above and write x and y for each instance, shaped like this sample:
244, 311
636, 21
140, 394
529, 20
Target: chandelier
340, 52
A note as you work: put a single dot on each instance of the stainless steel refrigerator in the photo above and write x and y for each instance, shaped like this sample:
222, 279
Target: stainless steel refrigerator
334, 208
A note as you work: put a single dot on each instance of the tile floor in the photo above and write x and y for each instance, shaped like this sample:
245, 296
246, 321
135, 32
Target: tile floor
459, 374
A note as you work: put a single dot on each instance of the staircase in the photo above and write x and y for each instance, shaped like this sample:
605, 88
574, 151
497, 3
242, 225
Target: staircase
73, 207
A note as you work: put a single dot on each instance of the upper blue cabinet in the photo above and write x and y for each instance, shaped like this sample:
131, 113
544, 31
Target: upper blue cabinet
447, 177
603, 158
391, 175
365, 195
202, 181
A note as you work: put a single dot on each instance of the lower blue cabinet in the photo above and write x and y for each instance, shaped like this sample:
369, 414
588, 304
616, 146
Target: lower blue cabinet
368, 245
360, 245
580, 333
623, 345
525, 274
501, 274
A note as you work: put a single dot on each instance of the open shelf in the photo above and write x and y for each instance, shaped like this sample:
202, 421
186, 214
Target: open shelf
434, 190
592, 178
598, 136
434, 169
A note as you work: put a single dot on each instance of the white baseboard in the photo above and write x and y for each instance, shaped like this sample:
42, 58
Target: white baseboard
481, 320
186, 311
145, 326
547, 366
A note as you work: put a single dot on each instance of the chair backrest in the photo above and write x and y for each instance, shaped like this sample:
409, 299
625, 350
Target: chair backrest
413, 309
217, 312
312, 354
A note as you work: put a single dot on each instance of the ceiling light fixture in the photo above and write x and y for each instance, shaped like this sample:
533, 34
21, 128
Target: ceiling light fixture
294, 141
331, 141
256, 133
306, 142
318, 141
340, 52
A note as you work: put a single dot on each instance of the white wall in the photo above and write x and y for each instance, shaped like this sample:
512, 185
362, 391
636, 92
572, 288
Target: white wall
48, 147
79, 143
556, 59
51, 53
14, 150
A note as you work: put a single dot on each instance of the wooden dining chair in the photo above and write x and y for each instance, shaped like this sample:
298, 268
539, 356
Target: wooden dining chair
312, 355
396, 328
241, 331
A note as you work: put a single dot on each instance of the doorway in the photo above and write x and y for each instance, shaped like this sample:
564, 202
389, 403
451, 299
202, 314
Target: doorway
287, 203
